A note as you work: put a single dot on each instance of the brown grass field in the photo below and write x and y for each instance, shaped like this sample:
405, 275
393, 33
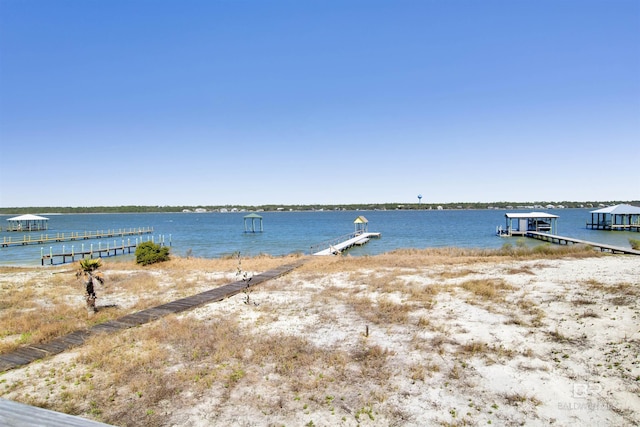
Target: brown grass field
444, 337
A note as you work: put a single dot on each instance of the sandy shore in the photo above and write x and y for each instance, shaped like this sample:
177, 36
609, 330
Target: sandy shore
533, 342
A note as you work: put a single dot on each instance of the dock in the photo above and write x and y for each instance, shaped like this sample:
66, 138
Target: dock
613, 227
616, 218
341, 244
563, 240
99, 252
29, 239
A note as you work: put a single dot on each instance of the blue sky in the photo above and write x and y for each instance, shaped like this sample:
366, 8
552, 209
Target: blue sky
152, 102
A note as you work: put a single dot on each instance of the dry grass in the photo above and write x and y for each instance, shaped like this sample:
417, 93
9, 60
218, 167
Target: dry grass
52, 305
618, 294
302, 357
487, 289
515, 399
176, 354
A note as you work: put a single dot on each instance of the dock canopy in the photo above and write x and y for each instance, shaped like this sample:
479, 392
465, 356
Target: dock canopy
253, 217
27, 222
532, 221
361, 224
618, 217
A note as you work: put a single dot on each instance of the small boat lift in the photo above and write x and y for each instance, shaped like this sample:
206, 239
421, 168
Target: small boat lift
519, 224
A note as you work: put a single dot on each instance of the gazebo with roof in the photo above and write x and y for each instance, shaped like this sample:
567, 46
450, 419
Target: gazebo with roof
253, 217
619, 217
28, 222
361, 225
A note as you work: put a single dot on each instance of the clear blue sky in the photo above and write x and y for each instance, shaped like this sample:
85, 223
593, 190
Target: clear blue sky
152, 102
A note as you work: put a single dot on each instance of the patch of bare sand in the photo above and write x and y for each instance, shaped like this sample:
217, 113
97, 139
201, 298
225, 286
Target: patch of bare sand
554, 342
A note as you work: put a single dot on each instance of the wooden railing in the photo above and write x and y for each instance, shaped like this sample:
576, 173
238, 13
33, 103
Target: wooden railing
30, 239
331, 242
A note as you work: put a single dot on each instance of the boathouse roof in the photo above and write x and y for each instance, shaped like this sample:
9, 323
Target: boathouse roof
530, 215
622, 209
28, 217
361, 220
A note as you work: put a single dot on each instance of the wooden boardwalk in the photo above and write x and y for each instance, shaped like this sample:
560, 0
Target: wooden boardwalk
348, 241
99, 253
563, 240
25, 355
30, 239
14, 414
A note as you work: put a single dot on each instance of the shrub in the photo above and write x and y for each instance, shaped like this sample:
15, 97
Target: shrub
635, 244
150, 253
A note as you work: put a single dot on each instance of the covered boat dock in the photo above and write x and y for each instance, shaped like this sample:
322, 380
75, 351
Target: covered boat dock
28, 222
618, 217
519, 224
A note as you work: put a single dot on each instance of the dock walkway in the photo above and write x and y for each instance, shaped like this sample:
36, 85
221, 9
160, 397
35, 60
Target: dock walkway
29, 239
346, 242
563, 240
99, 253
25, 355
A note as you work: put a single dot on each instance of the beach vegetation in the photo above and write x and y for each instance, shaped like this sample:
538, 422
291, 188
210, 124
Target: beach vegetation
150, 253
301, 354
635, 244
88, 270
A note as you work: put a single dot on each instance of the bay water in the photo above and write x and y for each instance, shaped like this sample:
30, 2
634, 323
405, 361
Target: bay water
216, 234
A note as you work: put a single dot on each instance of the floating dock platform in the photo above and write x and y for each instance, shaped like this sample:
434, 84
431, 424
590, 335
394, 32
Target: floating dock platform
348, 241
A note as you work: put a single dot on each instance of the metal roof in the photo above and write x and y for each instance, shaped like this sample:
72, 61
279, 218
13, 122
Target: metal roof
28, 217
619, 210
530, 215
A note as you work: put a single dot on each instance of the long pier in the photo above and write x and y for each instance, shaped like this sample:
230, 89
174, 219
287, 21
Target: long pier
563, 240
340, 244
99, 252
29, 239
104, 252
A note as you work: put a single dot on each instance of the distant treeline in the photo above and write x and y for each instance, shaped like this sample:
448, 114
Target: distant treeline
268, 208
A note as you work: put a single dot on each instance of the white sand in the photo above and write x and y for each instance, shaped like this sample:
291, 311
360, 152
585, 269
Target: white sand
564, 350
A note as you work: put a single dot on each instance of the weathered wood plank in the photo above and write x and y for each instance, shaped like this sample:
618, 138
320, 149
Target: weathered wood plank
14, 414
28, 354
552, 238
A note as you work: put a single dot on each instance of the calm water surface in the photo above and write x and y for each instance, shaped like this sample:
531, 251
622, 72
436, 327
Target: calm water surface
211, 235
